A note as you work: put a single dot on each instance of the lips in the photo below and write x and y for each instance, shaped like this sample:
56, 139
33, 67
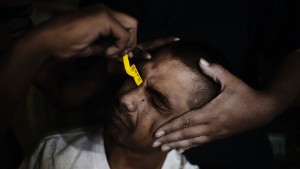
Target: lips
119, 121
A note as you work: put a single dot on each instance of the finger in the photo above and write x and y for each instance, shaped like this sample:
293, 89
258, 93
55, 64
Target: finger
151, 45
215, 71
186, 120
185, 144
183, 134
182, 150
139, 53
130, 24
121, 36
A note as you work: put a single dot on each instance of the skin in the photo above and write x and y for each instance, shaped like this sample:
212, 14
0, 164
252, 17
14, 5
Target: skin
236, 109
139, 112
77, 32
55, 62
74, 84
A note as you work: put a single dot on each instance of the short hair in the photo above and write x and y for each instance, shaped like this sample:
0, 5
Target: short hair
189, 53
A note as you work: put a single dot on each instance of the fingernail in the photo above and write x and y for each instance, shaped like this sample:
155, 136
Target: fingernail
159, 134
204, 62
180, 151
148, 56
156, 144
176, 39
165, 148
130, 54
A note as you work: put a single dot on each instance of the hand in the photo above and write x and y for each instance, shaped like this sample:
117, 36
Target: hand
80, 33
140, 52
236, 109
88, 32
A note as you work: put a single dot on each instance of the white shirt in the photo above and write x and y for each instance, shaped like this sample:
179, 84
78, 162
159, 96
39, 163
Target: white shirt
83, 149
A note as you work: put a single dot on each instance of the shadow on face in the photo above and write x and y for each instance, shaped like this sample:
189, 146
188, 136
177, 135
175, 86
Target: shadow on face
140, 110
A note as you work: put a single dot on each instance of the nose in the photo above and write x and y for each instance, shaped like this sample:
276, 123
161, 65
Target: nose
131, 100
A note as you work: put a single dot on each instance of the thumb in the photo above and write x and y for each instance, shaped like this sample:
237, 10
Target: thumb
215, 71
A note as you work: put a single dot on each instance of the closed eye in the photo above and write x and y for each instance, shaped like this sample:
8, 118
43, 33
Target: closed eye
157, 103
159, 100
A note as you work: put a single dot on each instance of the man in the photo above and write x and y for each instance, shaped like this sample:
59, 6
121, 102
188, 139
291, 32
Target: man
260, 39
172, 85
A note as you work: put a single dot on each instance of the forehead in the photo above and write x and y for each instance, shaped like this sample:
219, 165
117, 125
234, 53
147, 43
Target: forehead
170, 77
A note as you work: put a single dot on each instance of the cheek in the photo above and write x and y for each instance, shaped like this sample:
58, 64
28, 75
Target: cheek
150, 119
145, 119
148, 122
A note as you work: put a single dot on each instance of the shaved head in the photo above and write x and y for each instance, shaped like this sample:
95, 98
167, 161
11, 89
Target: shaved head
189, 53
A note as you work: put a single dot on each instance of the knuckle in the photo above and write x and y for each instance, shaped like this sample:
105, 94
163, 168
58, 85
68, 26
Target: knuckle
173, 146
176, 145
194, 142
134, 22
187, 121
218, 69
165, 139
205, 139
185, 134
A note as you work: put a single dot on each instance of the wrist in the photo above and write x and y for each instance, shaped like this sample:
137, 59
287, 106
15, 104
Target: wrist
274, 103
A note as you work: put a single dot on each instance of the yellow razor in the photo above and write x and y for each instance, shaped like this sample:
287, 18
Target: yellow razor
132, 70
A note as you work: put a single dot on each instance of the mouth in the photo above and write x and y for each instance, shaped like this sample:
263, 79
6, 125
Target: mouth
119, 121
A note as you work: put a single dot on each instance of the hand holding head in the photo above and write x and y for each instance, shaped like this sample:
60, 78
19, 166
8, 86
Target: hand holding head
237, 108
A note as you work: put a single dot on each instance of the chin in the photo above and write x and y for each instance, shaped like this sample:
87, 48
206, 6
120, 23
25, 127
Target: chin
116, 134
128, 141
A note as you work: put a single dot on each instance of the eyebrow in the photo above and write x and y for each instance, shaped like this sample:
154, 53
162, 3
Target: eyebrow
161, 97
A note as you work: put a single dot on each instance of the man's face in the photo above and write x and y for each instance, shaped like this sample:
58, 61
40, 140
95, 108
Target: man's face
140, 110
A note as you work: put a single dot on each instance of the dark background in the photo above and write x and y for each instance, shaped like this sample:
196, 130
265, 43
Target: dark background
38, 117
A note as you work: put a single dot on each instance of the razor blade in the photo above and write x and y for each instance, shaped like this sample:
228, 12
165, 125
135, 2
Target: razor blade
132, 70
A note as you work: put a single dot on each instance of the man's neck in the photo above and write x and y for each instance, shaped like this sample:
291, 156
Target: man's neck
123, 158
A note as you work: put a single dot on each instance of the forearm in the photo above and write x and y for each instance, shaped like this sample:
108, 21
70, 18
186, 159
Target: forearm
284, 88
65, 37
17, 71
